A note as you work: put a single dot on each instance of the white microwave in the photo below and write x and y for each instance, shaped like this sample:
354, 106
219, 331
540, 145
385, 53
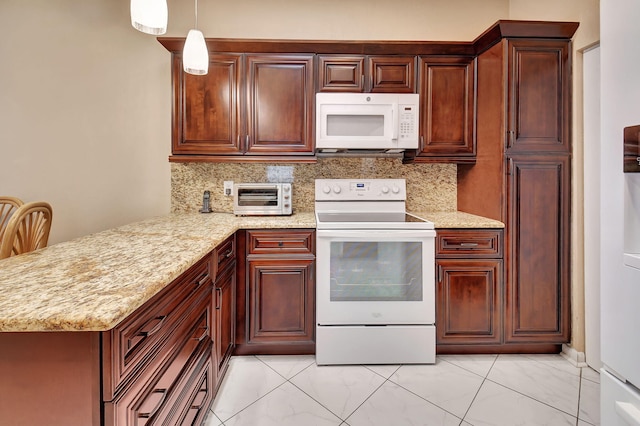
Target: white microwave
367, 121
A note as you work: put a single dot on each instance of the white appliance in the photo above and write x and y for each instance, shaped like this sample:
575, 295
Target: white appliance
262, 199
367, 121
375, 275
620, 216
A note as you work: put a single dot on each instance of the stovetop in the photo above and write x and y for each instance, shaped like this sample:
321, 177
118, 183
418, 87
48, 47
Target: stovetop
370, 220
364, 204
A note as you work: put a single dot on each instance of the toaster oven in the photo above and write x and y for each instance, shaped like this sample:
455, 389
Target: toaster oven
262, 199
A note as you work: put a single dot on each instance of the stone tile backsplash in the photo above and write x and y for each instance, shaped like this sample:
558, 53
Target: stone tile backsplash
430, 187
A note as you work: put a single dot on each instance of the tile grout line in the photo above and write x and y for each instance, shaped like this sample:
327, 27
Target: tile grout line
235, 414
536, 399
484, 379
302, 390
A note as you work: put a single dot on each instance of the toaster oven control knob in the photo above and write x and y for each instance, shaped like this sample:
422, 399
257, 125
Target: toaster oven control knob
337, 189
326, 189
385, 189
395, 189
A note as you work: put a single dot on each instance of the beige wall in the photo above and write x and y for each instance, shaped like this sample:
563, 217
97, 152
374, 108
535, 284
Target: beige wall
85, 100
84, 113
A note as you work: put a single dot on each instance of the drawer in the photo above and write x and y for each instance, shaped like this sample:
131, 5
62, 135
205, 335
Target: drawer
469, 243
291, 241
195, 394
132, 343
161, 386
223, 256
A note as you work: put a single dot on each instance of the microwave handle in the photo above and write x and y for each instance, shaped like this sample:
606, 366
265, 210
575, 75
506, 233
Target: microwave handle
394, 121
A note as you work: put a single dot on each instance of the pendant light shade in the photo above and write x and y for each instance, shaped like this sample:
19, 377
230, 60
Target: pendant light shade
195, 56
149, 16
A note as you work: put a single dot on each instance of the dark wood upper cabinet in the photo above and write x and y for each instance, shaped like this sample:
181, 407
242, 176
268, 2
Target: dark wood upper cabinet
245, 107
381, 74
257, 102
207, 108
338, 73
539, 94
280, 104
447, 109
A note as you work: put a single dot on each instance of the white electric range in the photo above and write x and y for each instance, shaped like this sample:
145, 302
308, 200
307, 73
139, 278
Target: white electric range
375, 279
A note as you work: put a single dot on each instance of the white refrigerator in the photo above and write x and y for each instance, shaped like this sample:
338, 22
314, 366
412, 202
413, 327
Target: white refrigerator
620, 216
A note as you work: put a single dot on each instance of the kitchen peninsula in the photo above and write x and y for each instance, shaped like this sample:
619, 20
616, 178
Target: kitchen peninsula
60, 306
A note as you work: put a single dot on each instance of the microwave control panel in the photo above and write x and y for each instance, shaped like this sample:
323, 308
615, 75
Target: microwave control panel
407, 121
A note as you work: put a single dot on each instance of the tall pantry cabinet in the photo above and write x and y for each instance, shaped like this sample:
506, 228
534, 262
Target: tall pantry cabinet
522, 178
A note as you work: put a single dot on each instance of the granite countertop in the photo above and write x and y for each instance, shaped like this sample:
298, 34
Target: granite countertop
94, 282
458, 219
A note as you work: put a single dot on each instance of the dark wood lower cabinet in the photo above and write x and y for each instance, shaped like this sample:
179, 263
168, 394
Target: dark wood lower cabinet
154, 367
538, 265
281, 301
276, 296
469, 299
225, 320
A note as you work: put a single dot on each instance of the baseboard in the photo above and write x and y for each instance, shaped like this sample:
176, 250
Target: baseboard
573, 356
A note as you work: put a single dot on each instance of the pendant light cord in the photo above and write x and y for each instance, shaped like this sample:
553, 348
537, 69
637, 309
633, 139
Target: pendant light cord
196, 14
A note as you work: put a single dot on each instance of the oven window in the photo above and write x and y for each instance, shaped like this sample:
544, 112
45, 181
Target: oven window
257, 197
376, 271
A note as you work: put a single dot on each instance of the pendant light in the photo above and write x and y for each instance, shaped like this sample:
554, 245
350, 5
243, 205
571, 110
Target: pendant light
195, 55
149, 16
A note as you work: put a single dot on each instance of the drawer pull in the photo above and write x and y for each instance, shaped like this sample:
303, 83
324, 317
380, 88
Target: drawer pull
280, 243
155, 328
150, 328
218, 297
203, 279
468, 244
225, 255
157, 406
205, 333
201, 396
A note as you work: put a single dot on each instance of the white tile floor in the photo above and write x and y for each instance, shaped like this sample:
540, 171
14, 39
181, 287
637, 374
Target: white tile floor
458, 390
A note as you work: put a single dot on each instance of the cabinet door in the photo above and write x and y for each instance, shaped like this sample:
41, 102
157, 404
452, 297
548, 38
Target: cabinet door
447, 109
538, 249
280, 102
206, 111
225, 319
338, 73
468, 300
281, 301
391, 74
539, 95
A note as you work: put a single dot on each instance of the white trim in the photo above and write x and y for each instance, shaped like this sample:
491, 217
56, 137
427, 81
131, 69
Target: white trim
573, 356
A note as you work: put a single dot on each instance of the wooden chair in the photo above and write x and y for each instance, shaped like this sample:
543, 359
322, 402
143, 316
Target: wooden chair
8, 206
27, 230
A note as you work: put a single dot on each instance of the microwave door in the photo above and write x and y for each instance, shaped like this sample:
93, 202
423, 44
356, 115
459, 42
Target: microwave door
356, 126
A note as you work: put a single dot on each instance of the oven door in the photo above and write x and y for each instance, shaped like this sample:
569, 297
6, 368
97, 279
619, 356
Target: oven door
375, 277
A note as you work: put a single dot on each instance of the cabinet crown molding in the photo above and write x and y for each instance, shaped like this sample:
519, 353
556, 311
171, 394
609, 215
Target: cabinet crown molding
501, 29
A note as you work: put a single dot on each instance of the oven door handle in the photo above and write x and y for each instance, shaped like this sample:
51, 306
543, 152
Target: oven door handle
376, 234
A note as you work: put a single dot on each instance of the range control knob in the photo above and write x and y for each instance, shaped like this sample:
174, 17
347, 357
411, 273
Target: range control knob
385, 189
395, 189
337, 189
326, 189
